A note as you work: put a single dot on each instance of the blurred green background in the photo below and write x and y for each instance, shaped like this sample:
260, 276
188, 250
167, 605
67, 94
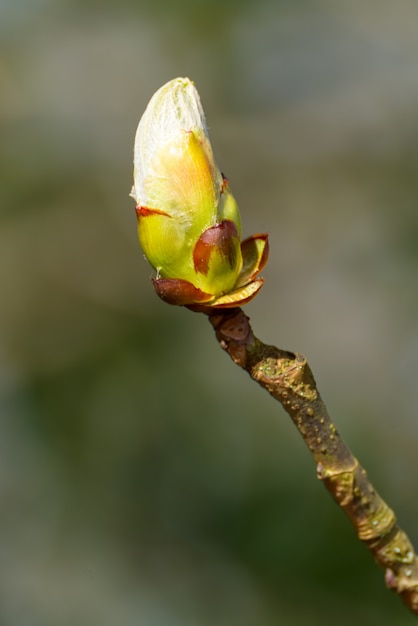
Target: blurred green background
144, 479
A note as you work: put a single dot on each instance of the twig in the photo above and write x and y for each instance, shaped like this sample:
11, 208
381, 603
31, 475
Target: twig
288, 378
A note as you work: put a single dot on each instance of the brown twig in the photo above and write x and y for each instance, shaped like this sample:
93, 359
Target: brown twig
288, 378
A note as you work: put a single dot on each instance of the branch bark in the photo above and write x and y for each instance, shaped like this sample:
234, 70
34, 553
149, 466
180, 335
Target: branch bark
288, 378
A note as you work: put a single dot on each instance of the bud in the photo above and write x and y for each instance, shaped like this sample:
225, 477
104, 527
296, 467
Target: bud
188, 221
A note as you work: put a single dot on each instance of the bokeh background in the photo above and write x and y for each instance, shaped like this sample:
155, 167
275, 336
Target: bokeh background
144, 479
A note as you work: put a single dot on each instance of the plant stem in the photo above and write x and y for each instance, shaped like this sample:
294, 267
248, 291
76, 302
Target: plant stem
288, 378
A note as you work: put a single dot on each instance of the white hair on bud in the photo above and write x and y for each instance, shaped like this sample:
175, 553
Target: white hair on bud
174, 108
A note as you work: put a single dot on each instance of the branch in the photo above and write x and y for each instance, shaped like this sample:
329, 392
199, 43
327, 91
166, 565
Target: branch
288, 378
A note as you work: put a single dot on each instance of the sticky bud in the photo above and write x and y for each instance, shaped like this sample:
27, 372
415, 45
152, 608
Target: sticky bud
188, 221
